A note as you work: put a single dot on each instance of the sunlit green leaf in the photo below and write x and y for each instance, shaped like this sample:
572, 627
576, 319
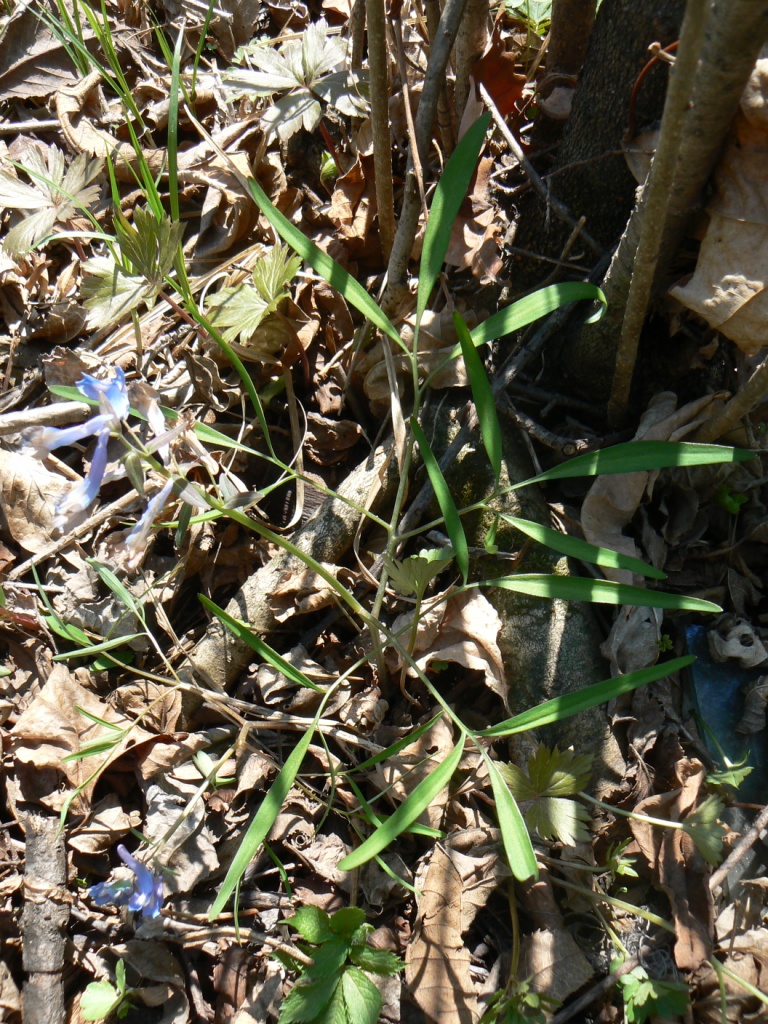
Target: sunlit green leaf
577, 588
574, 547
559, 708
485, 404
408, 811
445, 500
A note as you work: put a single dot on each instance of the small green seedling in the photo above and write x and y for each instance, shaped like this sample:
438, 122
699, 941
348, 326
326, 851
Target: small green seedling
336, 985
101, 998
519, 1004
646, 997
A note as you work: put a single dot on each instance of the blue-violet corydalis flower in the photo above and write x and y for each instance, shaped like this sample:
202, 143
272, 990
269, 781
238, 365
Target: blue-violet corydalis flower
144, 893
114, 407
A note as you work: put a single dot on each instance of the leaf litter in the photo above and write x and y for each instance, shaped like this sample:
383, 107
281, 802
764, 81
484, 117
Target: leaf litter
230, 390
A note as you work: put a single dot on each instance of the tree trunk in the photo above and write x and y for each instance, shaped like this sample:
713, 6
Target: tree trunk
590, 174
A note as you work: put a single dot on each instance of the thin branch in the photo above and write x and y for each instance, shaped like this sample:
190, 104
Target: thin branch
730, 415
738, 852
654, 201
425, 119
382, 141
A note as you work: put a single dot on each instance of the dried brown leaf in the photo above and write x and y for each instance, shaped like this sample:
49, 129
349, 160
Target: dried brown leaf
28, 492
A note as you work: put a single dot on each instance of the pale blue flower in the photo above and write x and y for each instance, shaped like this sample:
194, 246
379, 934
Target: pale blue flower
143, 894
114, 407
112, 395
134, 543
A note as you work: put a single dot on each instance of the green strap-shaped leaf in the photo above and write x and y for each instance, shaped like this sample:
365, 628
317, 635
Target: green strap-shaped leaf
577, 548
641, 456
445, 500
576, 588
106, 645
482, 394
263, 821
242, 632
322, 263
446, 201
533, 307
407, 812
559, 708
394, 748
514, 834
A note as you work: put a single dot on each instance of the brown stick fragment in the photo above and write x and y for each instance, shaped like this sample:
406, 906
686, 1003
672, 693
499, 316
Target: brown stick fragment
45, 918
740, 850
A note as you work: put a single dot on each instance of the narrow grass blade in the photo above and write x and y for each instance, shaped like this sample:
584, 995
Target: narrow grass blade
533, 307
482, 394
173, 125
91, 649
514, 834
639, 456
407, 812
374, 819
322, 263
576, 588
263, 821
242, 632
577, 548
445, 500
395, 748
446, 201
560, 708
118, 588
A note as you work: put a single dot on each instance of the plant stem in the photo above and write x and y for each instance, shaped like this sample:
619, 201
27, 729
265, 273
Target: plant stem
646, 818
382, 141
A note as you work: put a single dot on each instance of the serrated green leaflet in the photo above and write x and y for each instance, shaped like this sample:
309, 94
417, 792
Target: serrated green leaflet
560, 708
640, 456
407, 812
447, 199
514, 834
574, 588
242, 632
577, 548
485, 406
322, 264
263, 821
445, 500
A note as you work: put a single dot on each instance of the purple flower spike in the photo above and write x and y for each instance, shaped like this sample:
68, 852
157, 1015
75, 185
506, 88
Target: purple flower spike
144, 894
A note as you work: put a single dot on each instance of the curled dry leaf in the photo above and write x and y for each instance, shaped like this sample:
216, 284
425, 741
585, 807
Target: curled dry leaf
555, 964
678, 867
633, 642
734, 637
463, 630
437, 963
728, 288
28, 492
52, 727
303, 592
613, 500
755, 703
